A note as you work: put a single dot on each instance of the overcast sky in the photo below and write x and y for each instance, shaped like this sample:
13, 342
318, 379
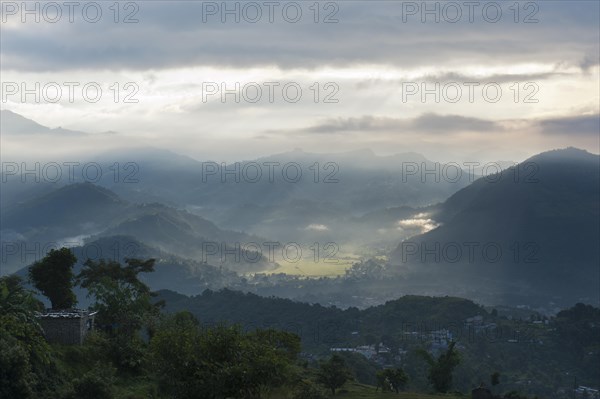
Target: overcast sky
501, 81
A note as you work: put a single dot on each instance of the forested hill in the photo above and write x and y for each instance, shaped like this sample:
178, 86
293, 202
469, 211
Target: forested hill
253, 310
522, 346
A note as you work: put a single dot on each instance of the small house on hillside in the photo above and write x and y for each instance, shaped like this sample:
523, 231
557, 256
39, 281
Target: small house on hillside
68, 326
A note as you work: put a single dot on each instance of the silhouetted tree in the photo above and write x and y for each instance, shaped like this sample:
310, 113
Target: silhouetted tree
24, 353
391, 379
495, 378
440, 370
123, 302
124, 305
334, 373
53, 277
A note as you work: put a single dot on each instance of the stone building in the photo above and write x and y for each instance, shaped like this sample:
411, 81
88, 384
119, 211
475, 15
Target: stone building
68, 326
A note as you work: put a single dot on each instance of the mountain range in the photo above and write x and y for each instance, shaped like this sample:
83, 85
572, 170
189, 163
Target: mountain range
528, 231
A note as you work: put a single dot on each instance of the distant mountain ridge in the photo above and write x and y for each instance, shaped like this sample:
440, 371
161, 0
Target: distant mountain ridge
13, 123
88, 211
544, 217
334, 191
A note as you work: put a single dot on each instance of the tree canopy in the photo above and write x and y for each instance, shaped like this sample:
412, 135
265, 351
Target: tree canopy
53, 277
221, 362
391, 379
24, 353
334, 373
122, 300
440, 370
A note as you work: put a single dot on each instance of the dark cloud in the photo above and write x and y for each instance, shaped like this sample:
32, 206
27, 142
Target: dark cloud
426, 123
586, 125
173, 34
452, 123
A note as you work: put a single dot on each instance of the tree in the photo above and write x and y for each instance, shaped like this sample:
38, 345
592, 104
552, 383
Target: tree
495, 378
440, 370
308, 390
382, 381
24, 353
124, 303
221, 362
391, 379
334, 373
53, 277
397, 378
97, 383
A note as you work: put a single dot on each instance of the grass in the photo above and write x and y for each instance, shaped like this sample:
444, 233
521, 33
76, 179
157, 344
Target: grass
355, 390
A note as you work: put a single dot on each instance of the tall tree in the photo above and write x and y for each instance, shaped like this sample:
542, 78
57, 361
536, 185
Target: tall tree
440, 370
495, 378
23, 350
124, 305
334, 373
123, 302
397, 378
389, 379
53, 277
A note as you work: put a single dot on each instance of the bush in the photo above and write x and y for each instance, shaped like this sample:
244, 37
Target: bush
16, 379
308, 390
96, 384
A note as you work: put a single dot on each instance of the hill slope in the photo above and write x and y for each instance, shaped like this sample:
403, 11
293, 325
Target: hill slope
74, 213
532, 230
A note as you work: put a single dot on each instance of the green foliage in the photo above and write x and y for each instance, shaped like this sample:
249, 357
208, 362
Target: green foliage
16, 377
26, 368
391, 379
577, 325
378, 323
334, 373
190, 362
220, 362
362, 368
127, 353
440, 370
495, 378
308, 390
123, 302
53, 277
97, 383
17, 303
124, 306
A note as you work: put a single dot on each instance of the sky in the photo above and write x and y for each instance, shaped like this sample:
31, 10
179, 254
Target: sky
455, 81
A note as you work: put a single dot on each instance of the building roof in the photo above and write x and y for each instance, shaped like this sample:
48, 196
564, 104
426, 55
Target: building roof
65, 313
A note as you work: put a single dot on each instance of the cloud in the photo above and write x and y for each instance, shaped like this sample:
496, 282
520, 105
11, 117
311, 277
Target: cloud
585, 125
417, 225
170, 52
434, 124
452, 123
316, 227
588, 62
426, 123
173, 34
